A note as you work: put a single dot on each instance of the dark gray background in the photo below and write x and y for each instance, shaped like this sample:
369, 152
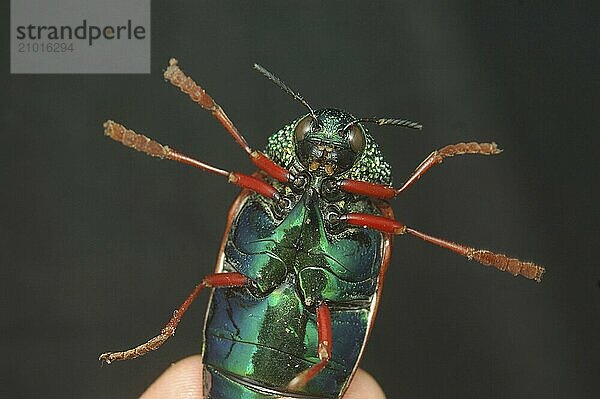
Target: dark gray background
99, 244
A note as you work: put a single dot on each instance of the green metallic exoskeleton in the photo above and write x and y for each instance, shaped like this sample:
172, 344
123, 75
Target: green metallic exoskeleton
301, 266
257, 339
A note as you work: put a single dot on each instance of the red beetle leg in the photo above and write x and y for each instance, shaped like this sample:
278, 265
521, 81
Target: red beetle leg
198, 95
436, 157
324, 350
499, 261
212, 280
151, 147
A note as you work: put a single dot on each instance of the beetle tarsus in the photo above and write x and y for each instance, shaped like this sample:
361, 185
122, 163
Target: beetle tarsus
211, 280
507, 264
140, 350
154, 343
499, 261
448, 151
131, 139
144, 144
187, 85
198, 95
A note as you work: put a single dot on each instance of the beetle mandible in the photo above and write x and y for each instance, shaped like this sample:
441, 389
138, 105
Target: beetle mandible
300, 270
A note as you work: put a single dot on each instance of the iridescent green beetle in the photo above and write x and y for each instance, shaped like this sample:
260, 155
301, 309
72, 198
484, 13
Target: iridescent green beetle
302, 263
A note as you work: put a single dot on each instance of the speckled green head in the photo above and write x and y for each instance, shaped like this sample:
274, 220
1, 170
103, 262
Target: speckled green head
330, 142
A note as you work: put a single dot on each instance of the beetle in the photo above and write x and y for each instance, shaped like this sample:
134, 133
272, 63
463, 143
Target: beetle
300, 270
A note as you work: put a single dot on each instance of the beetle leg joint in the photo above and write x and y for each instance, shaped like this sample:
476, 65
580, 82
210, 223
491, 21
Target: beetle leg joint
323, 350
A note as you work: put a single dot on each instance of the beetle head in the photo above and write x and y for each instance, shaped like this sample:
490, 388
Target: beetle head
328, 141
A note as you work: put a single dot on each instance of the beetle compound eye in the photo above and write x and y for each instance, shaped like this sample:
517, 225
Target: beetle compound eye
356, 138
303, 127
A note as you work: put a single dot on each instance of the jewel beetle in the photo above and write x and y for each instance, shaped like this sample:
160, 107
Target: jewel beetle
301, 266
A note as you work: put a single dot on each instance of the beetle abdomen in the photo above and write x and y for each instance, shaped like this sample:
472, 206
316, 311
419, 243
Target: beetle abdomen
263, 343
258, 338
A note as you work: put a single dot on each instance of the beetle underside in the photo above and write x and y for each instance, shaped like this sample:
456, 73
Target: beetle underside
304, 255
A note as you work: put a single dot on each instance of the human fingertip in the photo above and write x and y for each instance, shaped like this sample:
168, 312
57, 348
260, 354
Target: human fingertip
182, 379
364, 386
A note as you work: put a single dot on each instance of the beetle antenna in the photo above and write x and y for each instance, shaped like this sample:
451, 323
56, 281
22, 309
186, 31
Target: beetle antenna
284, 87
388, 121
